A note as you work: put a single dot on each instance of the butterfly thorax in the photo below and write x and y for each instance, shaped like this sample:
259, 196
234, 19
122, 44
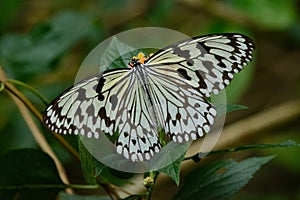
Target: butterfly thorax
137, 64
137, 60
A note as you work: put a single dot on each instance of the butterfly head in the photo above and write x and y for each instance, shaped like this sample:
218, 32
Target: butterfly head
136, 60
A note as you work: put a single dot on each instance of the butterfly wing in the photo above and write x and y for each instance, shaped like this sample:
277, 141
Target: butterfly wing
181, 110
107, 103
186, 72
206, 63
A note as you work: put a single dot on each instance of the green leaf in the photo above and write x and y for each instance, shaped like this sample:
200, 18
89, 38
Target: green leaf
286, 144
234, 107
227, 108
87, 163
93, 168
220, 180
99, 167
65, 196
28, 174
118, 53
173, 169
110, 175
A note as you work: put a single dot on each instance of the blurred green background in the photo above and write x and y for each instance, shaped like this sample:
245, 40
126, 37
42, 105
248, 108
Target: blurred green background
43, 43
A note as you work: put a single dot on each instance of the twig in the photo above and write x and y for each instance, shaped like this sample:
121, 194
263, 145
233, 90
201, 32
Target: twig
34, 91
12, 90
39, 137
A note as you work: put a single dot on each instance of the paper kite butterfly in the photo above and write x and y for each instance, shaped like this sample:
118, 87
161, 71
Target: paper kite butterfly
166, 91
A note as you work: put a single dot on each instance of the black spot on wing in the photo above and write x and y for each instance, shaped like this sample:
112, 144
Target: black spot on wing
81, 94
102, 114
233, 58
174, 122
190, 62
208, 65
113, 100
178, 116
221, 63
99, 88
183, 73
202, 83
133, 141
182, 53
126, 134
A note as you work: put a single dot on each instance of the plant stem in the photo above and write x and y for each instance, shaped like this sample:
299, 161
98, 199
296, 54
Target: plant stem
149, 183
49, 186
2, 86
83, 187
285, 144
34, 91
12, 90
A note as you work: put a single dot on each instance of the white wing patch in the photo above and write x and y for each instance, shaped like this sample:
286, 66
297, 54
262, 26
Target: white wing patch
168, 91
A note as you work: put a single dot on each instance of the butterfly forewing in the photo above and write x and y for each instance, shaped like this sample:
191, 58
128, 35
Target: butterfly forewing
206, 63
166, 92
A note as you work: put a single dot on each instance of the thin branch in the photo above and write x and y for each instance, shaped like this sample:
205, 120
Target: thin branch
16, 93
34, 91
39, 137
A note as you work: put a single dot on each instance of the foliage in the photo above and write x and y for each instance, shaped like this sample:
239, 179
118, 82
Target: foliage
29, 174
220, 180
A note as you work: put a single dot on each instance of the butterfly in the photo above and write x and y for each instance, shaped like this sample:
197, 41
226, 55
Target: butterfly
169, 91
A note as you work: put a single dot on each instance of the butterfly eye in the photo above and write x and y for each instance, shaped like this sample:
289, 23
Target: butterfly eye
133, 62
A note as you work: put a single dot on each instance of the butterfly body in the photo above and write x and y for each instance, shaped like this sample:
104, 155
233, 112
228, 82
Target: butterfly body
166, 91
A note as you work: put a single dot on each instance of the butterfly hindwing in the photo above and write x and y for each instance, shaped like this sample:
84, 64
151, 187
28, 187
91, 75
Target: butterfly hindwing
138, 139
182, 111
